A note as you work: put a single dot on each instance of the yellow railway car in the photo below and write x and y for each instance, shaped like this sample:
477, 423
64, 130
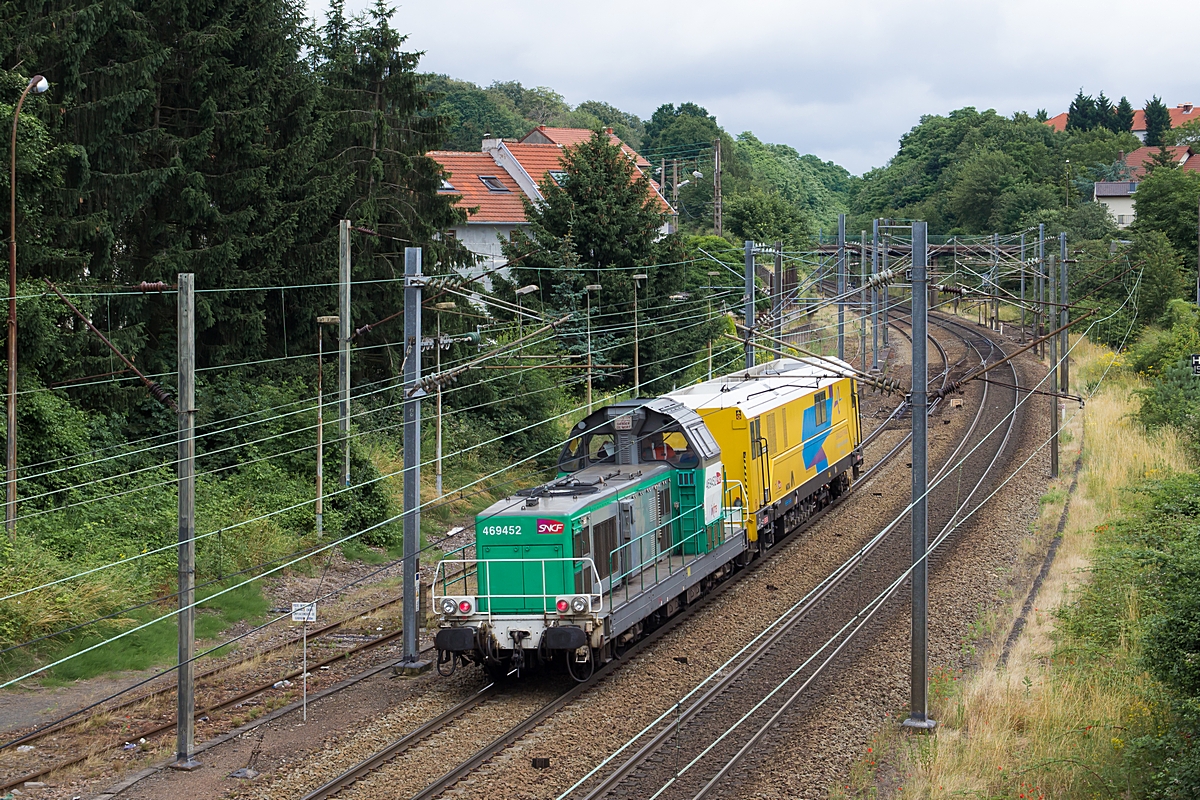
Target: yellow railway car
790, 435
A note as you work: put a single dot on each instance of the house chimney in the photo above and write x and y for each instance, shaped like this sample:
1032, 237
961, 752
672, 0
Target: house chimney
491, 143
608, 131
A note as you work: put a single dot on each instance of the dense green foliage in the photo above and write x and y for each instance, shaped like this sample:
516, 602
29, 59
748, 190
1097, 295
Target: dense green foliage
978, 172
1147, 562
225, 139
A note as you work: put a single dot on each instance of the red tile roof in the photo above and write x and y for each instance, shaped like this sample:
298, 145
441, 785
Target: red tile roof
1180, 114
1139, 159
1058, 122
538, 159
464, 171
569, 137
541, 159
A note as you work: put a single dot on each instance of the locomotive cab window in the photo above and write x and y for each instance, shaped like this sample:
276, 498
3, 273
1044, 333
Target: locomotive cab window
820, 412
671, 444
583, 451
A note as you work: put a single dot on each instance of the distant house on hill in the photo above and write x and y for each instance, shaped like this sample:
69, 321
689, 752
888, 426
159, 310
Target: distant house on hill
1118, 196
491, 183
1184, 112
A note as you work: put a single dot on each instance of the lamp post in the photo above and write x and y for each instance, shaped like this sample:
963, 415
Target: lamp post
320, 513
448, 306
37, 84
1068, 186
591, 287
637, 373
711, 274
524, 290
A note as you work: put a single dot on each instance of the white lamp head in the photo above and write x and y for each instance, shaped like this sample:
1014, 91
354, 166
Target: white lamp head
39, 84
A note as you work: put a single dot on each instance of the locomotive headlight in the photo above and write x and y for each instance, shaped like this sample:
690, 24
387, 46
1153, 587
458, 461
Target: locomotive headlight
579, 605
563, 605
448, 606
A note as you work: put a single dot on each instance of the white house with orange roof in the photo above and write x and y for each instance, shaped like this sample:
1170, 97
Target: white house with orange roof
1119, 197
492, 183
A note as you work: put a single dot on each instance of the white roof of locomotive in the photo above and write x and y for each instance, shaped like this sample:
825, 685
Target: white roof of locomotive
764, 387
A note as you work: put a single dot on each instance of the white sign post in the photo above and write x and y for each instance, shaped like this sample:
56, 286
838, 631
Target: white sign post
305, 613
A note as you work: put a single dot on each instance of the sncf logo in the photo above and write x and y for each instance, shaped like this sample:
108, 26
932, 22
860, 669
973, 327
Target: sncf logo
550, 526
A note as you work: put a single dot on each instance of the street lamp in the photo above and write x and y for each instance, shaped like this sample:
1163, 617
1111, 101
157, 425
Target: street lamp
591, 287
1068, 186
447, 306
37, 84
524, 290
637, 375
320, 514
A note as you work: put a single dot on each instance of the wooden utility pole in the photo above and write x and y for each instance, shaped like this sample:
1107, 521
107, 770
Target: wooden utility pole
718, 221
185, 727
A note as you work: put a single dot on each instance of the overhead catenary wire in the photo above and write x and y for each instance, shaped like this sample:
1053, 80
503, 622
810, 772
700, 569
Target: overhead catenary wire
292, 562
304, 503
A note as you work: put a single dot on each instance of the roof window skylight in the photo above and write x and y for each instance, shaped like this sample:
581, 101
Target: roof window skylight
493, 183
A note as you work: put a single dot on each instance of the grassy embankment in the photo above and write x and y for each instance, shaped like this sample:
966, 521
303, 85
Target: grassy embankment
1059, 719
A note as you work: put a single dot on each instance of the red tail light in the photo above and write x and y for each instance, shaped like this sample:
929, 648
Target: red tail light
464, 607
563, 605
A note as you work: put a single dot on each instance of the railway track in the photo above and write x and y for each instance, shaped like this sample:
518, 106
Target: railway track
458, 715
204, 681
693, 749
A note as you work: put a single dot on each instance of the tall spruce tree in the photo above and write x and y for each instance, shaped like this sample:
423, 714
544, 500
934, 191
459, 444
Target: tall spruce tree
1104, 113
1158, 121
1081, 116
1123, 116
378, 127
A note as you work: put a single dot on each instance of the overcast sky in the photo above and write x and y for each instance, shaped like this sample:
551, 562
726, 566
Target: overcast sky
842, 80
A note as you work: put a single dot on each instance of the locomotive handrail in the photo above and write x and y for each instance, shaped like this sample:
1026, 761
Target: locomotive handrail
595, 599
654, 560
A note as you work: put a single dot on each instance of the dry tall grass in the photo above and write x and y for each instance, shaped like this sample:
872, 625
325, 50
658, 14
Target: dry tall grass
1037, 728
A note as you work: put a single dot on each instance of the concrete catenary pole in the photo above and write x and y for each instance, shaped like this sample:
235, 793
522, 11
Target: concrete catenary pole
1063, 290
862, 299
1038, 330
413, 281
918, 716
344, 333
777, 290
749, 310
841, 287
886, 298
1022, 287
1053, 397
185, 729
874, 296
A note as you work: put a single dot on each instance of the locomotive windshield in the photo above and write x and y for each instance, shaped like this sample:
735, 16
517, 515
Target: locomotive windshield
634, 432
